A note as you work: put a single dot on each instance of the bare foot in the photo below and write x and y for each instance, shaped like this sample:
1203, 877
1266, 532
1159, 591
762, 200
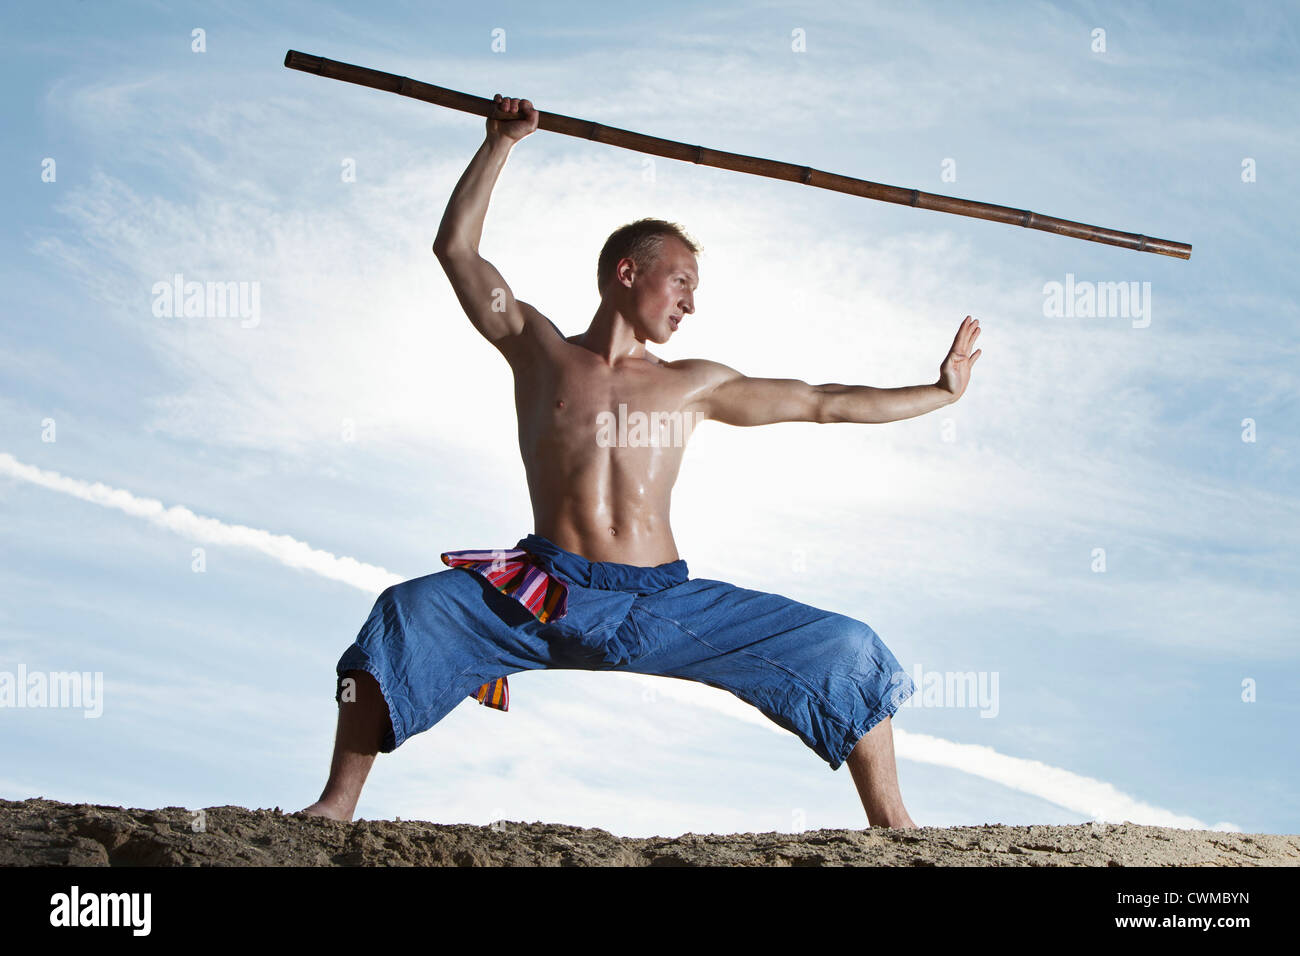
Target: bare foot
905, 823
322, 809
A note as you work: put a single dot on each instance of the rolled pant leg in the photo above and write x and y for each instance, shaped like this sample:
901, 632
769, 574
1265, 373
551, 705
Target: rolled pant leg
824, 676
432, 641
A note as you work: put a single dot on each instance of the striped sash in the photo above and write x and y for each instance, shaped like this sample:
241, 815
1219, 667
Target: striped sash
516, 574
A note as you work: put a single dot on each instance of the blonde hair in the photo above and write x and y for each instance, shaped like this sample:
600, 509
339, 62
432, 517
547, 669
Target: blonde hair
642, 242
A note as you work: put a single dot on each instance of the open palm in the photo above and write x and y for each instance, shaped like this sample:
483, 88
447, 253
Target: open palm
954, 373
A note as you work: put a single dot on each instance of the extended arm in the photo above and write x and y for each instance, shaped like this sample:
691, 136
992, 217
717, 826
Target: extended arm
869, 405
735, 399
483, 293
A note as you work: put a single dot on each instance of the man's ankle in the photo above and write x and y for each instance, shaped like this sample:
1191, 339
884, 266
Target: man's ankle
897, 818
334, 807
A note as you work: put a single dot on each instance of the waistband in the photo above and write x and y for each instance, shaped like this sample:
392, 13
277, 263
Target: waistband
604, 575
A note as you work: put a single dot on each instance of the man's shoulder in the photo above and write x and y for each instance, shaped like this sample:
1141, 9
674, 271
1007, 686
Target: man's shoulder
702, 377
704, 372
536, 341
540, 322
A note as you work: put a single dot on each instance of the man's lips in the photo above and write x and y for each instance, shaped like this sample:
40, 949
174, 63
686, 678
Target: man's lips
674, 321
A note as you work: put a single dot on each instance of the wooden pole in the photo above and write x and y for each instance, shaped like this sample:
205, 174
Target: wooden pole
586, 129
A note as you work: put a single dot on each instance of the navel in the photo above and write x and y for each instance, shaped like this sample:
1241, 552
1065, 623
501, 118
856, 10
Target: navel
613, 531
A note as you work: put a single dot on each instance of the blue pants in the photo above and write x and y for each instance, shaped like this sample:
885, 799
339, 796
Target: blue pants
432, 641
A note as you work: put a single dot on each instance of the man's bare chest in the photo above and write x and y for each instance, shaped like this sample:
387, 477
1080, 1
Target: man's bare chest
585, 403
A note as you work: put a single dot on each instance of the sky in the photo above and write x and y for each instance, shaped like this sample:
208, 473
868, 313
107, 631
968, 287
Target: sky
198, 511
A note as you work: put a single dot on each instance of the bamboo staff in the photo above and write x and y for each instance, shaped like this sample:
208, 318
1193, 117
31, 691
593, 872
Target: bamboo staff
585, 129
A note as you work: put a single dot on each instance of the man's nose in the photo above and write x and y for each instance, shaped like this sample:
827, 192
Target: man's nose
688, 305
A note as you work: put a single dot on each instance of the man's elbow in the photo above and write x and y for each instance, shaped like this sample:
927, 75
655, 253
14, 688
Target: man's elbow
448, 245
823, 408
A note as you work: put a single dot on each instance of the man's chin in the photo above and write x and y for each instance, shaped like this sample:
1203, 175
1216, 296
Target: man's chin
650, 334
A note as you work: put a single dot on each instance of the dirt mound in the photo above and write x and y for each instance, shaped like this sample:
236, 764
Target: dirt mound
41, 832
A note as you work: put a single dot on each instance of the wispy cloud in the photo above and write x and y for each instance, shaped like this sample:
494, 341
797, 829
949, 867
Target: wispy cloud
279, 547
1095, 799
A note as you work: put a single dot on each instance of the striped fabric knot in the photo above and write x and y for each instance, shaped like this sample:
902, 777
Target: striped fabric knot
515, 573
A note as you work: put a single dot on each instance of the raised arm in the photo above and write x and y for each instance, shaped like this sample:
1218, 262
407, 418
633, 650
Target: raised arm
728, 396
483, 293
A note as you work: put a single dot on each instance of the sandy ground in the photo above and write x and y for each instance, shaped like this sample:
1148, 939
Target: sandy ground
45, 832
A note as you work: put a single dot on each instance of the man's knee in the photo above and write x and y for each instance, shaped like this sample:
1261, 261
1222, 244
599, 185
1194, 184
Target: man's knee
866, 664
404, 593
853, 640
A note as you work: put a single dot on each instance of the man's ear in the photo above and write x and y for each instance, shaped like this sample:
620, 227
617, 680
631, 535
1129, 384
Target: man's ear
625, 271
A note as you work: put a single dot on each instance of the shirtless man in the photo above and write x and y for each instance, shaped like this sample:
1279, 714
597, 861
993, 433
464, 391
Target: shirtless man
601, 517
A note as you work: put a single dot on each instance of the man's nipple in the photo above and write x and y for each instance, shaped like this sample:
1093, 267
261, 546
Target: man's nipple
559, 403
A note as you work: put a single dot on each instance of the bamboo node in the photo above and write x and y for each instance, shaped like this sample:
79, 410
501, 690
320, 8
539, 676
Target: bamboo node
1027, 218
916, 196
699, 154
591, 133
1142, 244
807, 175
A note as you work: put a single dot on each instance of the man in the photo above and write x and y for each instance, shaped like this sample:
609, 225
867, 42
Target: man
600, 585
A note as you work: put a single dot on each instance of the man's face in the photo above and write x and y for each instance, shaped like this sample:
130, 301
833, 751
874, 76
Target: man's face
665, 293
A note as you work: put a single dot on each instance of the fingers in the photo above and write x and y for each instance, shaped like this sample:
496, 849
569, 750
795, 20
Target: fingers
512, 104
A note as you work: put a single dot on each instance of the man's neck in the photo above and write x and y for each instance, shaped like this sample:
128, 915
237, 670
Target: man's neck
613, 339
